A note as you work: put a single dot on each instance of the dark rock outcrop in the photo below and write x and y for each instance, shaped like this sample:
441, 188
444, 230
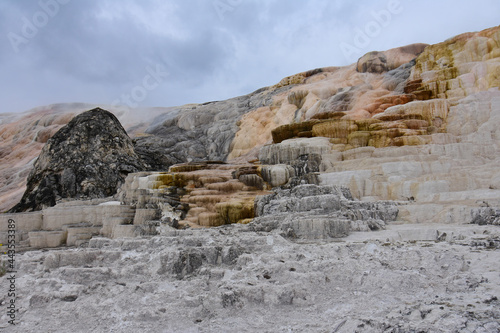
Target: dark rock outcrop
88, 158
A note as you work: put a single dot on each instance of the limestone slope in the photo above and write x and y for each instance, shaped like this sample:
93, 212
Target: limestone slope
432, 143
363, 198
232, 129
398, 125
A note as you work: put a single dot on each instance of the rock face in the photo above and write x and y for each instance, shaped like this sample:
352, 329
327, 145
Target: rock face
197, 194
424, 134
380, 62
88, 158
460, 66
198, 132
407, 124
362, 198
399, 97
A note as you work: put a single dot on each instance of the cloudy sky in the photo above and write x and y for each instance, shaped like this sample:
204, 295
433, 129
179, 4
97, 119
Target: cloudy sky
166, 53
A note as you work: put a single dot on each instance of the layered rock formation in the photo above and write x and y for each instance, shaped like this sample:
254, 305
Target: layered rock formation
196, 194
88, 158
430, 143
345, 199
198, 132
320, 212
419, 129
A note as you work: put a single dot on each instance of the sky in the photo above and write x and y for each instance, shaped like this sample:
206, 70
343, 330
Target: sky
146, 53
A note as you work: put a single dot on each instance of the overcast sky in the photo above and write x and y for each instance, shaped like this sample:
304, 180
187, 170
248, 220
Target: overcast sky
167, 53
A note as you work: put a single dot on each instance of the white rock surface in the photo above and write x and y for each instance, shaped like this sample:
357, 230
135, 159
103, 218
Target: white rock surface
408, 278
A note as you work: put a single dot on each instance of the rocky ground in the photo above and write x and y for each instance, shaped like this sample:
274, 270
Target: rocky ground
408, 278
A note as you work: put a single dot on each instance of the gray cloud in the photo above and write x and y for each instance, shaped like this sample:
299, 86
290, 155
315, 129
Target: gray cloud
96, 51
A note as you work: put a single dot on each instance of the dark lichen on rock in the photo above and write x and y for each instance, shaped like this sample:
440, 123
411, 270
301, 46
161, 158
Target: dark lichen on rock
88, 158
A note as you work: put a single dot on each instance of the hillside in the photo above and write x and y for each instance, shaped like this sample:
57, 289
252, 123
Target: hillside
363, 198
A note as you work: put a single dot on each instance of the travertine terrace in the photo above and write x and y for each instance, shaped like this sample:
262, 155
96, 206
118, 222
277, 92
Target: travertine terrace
363, 198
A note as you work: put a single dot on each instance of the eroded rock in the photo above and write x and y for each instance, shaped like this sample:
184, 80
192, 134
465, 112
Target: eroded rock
88, 158
316, 212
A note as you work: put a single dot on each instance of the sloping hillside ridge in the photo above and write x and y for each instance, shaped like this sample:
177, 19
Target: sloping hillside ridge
363, 198
415, 125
